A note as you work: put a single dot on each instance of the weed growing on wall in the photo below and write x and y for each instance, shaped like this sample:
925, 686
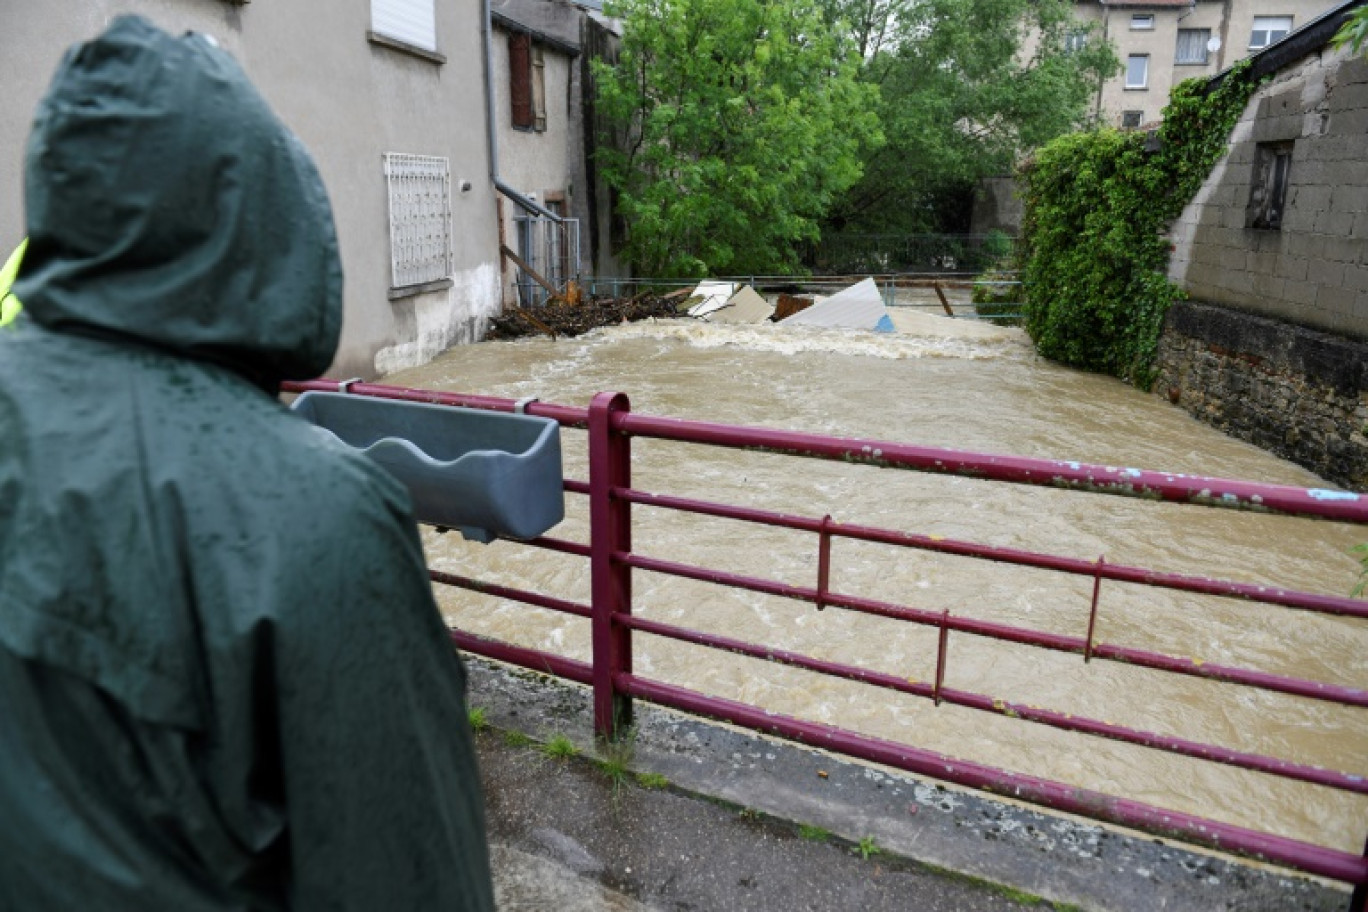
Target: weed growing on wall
1097, 209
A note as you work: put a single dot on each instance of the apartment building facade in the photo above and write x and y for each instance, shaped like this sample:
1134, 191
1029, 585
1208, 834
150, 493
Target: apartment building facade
1162, 42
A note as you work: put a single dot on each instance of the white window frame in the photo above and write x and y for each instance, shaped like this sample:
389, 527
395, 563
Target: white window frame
1203, 45
419, 190
1144, 82
411, 22
1142, 22
1139, 119
1263, 29
1075, 42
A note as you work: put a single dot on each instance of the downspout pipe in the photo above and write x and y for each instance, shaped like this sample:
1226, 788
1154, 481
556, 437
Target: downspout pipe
493, 128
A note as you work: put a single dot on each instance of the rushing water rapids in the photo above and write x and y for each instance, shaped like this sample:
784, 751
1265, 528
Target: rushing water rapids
968, 386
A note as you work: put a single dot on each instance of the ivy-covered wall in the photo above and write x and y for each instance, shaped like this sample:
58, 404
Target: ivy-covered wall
1097, 210
1273, 346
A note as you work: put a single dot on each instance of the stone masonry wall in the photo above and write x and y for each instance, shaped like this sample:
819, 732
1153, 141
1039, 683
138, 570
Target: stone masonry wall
1313, 270
1299, 393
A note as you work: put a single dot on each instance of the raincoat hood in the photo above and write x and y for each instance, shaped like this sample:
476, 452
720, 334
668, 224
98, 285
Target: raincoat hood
151, 222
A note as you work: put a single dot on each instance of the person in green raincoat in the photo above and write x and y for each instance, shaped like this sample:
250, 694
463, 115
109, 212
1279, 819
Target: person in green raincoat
9, 303
224, 683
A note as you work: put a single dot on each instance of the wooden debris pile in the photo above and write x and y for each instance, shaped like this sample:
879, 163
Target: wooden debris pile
571, 314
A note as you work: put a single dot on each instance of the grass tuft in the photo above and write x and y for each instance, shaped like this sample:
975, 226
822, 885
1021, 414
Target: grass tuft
559, 747
652, 780
867, 848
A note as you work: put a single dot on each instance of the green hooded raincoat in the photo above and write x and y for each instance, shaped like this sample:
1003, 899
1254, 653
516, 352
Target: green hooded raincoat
224, 683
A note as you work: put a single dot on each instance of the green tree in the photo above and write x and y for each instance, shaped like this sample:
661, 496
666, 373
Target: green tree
966, 88
742, 122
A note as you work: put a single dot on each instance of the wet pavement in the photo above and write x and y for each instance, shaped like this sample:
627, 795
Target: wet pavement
691, 815
567, 838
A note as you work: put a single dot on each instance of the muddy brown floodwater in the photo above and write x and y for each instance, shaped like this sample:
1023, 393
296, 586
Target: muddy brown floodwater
969, 386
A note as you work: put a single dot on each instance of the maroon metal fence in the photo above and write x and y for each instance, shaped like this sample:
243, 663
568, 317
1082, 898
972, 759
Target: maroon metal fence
611, 426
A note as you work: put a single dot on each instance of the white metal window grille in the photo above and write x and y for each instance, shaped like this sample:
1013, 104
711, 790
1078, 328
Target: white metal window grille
1268, 29
410, 21
419, 218
1142, 22
1192, 46
1137, 71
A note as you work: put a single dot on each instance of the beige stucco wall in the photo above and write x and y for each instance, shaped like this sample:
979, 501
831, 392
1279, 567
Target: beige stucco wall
1313, 271
536, 163
350, 101
1229, 20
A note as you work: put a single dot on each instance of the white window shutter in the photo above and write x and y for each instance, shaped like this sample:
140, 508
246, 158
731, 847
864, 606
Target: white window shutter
410, 21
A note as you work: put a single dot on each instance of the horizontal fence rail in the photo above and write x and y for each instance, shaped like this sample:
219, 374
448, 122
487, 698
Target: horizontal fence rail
612, 426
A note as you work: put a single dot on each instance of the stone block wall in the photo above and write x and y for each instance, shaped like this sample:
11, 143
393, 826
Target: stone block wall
1297, 392
1312, 270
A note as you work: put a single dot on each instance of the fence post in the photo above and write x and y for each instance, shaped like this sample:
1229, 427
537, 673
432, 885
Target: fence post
610, 531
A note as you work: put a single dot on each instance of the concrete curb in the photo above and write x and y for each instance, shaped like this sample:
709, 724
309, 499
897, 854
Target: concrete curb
1059, 859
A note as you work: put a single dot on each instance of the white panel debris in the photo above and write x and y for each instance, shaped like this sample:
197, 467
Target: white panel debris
710, 296
746, 306
858, 307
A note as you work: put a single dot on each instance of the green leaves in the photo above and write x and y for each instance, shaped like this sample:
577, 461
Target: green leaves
1097, 212
960, 100
742, 119
1354, 32
1361, 552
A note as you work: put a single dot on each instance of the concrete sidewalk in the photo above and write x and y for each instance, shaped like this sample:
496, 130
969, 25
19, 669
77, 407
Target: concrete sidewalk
730, 820
566, 838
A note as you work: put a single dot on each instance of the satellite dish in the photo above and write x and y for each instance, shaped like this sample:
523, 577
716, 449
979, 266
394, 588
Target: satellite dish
1213, 44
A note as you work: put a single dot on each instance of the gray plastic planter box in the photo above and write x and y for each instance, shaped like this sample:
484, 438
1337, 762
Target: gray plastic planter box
484, 473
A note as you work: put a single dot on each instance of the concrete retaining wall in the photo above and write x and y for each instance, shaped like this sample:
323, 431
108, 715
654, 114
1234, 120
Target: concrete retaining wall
1313, 269
1297, 392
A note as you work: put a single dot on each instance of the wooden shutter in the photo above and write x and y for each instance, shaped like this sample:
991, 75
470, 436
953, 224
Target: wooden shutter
520, 78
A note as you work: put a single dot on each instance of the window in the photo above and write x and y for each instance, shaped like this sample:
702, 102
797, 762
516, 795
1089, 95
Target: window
1075, 42
1192, 46
1268, 29
1137, 71
419, 218
1142, 22
1130, 120
527, 82
411, 22
1268, 190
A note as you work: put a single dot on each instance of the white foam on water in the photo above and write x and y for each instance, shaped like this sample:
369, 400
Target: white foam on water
970, 343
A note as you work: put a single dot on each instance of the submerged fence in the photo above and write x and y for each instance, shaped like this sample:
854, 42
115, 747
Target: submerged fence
611, 428
846, 253
995, 296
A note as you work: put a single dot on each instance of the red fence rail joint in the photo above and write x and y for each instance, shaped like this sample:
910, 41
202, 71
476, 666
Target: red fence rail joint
611, 426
